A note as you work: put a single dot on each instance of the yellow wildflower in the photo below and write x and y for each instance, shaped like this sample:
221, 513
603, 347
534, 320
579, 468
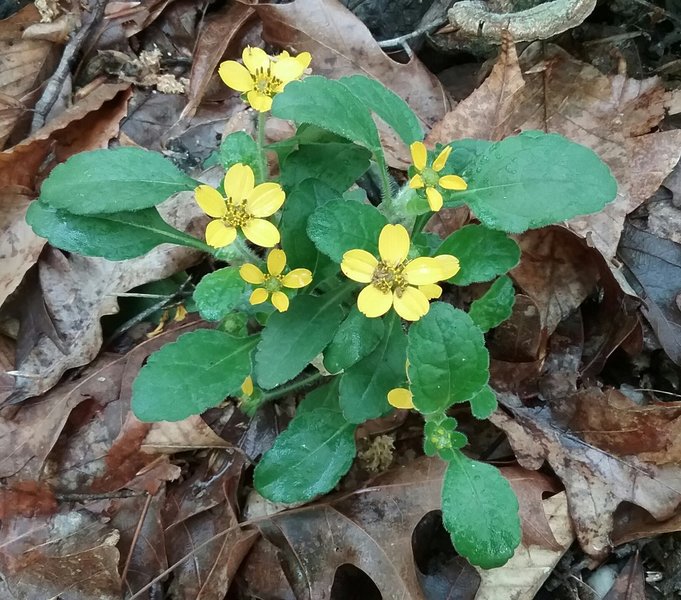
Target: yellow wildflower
247, 386
261, 76
400, 398
429, 177
273, 280
395, 281
244, 208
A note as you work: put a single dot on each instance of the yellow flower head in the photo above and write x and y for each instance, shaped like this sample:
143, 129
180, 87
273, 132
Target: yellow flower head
244, 208
261, 76
247, 388
395, 281
274, 280
429, 177
400, 398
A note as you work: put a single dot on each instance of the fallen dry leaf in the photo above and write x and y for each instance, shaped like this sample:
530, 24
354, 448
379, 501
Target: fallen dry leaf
24, 64
71, 556
596, 482
192, 433
631, 583
26, 499
613, 115
614, 423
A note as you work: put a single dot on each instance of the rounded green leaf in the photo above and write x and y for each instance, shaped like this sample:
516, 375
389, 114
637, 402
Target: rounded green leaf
191, 375
448, 360
480, 511
292, 339
483, 253
110, 181
239, 147
484, 403
308, 459
218, 293
114, 236
364, 387
536, 179
356, 337
495, 306
342, 225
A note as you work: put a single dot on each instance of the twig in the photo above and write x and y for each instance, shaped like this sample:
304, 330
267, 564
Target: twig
86, 497
135, 537
68, 59
399, 42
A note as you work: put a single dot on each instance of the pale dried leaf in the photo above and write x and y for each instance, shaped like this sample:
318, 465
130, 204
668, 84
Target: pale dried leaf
191, 433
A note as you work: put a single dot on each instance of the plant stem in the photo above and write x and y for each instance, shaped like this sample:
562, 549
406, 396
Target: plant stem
292, 387
262, 157
385, 182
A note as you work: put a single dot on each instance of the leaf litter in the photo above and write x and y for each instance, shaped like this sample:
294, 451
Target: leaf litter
139, 508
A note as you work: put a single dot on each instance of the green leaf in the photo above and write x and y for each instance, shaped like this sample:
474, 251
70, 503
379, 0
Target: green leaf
495, 306
308, 459
111, 181
536, 179
387, 105
302, 201
464, 152
291, 339
364, 387
328, 104
484, 403
483, 253
341, 225
218, 293
338, 165
114, 236
191, 375
325, 396
480, 511
239, 147
356, 337
448, 361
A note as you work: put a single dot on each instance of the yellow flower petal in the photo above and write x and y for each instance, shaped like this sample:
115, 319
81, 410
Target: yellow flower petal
280, 301
393, 244
441, 160
400, 398
287, 69
261, 232
304, 58
359, 265
251, 274
265, 199
419, 155
247, 386
219, 235
372, 302
258, 296
434, 199
423, 270
239, 181
276, 261
452, 182
411, 305
431, 291
210, 201
297, 278
449, 266
255, 58
416, 182
259, 101
236, 76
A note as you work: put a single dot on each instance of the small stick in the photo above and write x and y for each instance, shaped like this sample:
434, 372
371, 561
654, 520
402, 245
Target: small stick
135, 537
68, 59
400, 42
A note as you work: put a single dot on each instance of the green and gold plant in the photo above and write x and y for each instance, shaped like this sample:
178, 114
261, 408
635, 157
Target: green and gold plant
316, 273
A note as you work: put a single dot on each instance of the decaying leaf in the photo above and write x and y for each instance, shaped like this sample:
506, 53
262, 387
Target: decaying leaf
611, 114
630, 583
596, 482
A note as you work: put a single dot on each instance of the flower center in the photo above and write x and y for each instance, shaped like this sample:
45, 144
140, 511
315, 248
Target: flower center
388, 278
440, 438
265, 82
430, 177
272, 283
236, 215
